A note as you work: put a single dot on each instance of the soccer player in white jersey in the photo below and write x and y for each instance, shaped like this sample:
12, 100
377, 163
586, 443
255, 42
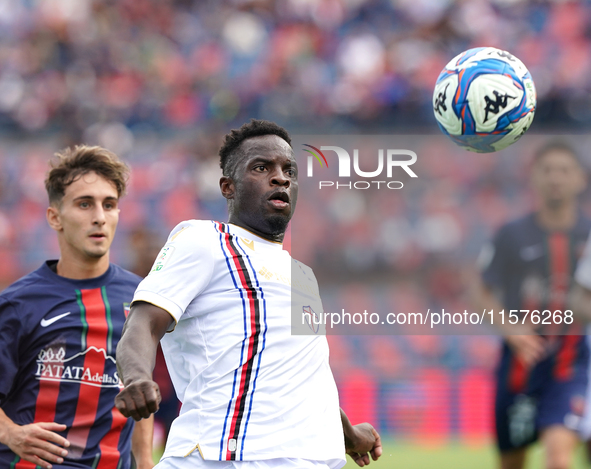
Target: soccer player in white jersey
253, 395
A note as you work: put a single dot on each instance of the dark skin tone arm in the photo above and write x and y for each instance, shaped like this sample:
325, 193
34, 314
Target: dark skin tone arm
136, 357
361, 441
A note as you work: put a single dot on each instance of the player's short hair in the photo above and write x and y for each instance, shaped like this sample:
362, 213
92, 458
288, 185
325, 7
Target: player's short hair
230, 151
74, 162
556, 146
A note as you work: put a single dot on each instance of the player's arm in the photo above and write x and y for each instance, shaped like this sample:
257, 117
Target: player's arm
361, 439
136, 357
141, 443
35, 442
522, 338
496, 262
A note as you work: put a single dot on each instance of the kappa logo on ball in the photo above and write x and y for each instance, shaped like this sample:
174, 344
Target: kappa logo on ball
500, 102
484, 99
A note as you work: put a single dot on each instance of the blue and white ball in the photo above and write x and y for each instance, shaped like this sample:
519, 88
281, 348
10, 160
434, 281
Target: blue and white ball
484, 99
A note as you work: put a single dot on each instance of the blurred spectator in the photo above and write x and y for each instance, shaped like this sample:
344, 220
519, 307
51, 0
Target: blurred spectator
104, 68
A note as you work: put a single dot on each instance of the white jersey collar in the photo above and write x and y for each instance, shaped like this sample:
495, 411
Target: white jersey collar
243, 233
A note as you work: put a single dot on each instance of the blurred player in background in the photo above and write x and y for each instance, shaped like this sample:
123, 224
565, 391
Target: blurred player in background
252, 394
59, 328
541, 379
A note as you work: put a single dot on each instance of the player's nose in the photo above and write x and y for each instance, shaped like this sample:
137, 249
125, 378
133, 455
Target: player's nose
99, 216
278, 177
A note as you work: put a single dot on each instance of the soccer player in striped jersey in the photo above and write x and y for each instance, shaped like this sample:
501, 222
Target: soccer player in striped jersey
253, 395
59, 329
542, 376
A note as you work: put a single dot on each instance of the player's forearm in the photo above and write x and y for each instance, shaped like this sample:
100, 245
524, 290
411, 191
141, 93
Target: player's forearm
348, 430
360, 440
6, 425
484, 300
141, 443
136, 351
136, 354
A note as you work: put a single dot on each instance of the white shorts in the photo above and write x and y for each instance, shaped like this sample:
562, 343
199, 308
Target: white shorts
195, 461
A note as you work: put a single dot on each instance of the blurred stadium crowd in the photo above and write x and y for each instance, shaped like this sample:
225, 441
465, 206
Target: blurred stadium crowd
160, 82
84, 66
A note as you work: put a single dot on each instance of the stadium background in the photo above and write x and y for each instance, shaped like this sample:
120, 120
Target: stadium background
160, 82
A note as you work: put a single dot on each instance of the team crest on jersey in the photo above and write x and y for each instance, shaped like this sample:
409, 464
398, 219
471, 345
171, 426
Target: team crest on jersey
311, 318
163, 256
92, 367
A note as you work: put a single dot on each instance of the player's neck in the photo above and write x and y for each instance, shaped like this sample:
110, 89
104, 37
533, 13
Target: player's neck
78, 269
557, 218
276, 238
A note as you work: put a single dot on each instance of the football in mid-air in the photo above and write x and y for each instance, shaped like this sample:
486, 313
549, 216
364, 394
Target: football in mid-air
484, 99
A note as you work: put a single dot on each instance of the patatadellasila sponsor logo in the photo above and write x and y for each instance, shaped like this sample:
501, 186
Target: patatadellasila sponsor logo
82, 368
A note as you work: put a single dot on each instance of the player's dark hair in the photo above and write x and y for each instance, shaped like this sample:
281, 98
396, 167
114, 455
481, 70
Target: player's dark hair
82, 159
556, 146
230, 151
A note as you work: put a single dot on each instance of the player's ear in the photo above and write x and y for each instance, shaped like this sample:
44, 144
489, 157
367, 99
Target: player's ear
227, 187
53, 218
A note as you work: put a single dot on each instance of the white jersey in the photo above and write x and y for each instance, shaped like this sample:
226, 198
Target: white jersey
249, 389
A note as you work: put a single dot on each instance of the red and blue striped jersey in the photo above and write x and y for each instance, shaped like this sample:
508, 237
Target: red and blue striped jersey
533, 269
58, 338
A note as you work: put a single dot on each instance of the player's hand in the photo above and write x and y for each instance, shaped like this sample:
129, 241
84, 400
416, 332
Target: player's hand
139, 399
38, 443
530, 349
365, 439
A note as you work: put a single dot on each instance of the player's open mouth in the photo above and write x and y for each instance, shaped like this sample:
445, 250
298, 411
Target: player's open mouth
98, 236
279, 199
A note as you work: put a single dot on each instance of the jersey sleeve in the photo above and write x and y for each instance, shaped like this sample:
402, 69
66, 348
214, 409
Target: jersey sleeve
583, 272
181, 271
10, 335
494, 260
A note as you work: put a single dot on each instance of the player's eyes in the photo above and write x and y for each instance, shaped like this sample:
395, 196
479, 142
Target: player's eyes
84, 204
260, 168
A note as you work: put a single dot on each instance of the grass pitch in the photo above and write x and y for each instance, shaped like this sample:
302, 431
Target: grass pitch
405, 455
